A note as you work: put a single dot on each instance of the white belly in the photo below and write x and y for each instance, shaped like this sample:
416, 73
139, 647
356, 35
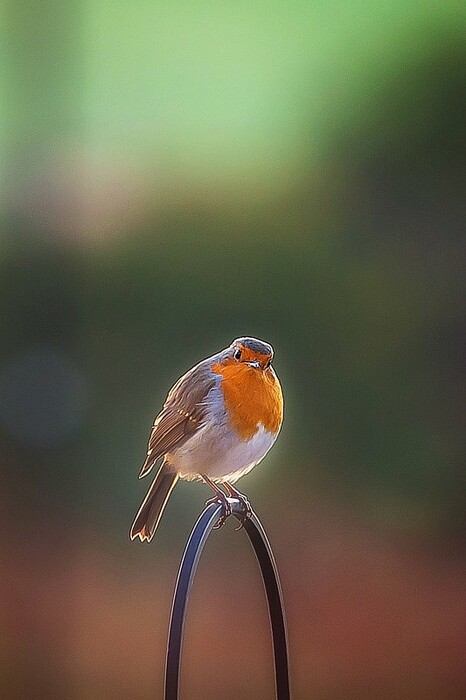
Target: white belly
217, 452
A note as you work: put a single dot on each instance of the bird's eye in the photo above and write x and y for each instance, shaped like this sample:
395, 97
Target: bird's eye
237, 354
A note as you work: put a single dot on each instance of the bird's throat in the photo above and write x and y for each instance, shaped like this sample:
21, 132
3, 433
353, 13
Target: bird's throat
253, 397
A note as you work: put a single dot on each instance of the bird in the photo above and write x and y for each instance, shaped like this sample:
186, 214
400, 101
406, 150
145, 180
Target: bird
218, 421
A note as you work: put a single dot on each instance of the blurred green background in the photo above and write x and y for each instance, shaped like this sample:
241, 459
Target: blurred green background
179, 174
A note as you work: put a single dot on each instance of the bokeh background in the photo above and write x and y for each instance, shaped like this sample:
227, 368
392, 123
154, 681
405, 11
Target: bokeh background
176, 174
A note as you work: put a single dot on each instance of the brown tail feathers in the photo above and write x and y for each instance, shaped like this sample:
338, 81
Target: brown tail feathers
150, 512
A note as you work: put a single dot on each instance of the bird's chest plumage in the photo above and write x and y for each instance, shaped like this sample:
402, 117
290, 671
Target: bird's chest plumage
244, 415
252, 399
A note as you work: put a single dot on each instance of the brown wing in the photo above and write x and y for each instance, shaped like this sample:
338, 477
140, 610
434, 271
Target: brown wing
182, 415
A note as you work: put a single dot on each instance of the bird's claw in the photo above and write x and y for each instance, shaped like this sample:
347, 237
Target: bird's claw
226, 510
246, 509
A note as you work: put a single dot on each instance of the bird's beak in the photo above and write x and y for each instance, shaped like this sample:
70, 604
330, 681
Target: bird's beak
254, 363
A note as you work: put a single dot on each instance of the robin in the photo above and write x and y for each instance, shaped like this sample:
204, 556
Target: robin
218, 421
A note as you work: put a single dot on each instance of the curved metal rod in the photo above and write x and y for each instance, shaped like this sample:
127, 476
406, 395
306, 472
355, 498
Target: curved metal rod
269, 571
192, 553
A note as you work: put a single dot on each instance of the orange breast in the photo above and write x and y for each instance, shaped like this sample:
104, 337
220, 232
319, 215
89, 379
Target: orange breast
252, 397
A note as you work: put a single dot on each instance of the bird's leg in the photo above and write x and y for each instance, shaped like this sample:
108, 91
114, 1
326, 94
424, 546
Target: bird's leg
246, 506
218, 498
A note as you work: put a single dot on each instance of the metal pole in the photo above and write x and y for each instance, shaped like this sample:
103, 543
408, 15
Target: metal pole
273, 590
188, 566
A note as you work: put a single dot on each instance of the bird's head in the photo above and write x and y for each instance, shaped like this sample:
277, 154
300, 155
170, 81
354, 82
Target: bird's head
253, 352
